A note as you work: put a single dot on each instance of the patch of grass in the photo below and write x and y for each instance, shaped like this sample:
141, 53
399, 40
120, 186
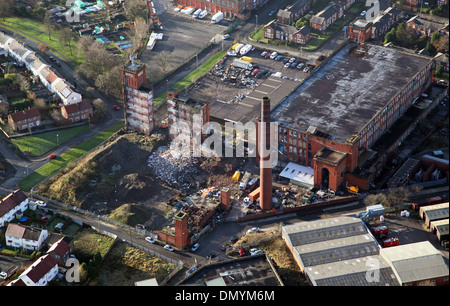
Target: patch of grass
40, 144
125, 265
131, 214
88, 243
37, 30
61, 161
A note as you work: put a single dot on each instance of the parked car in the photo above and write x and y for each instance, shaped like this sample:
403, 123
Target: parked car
272, 12
52, 156
293, 65
363, 13
168, 248
255, 251
255, 71
211, 255
195, 247
225, 246
226, 36
267, 55
287, 65
234, 239
273, 55
284, 60
116, 107
300, 66
292, 60
264, 53
253, 230
150, 239
278, 58
41, 203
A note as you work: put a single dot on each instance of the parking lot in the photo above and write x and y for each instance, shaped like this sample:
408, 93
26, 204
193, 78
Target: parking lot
183, 36
8, 261
409, 230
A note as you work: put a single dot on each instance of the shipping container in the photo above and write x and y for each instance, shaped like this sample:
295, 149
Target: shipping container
390, 242
254, 195
380, 230
236, 176
430, 201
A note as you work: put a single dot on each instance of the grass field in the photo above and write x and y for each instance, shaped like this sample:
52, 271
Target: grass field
61, 161
38, 32
40, 144
193, 76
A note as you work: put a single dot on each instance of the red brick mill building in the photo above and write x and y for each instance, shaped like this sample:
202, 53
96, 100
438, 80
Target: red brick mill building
231, 9
351, 112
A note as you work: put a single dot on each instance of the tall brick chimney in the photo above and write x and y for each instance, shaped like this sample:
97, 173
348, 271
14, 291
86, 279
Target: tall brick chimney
265, 198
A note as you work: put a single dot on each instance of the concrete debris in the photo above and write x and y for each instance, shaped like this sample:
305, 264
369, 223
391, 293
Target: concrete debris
173, 168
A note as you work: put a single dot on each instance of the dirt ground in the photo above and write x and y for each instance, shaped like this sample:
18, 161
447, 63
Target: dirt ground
118, 175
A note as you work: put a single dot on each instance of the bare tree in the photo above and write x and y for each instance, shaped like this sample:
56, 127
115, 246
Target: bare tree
48, 24
6, 8
136, 8
66, 36
111, 82
141, 28
163, 60
100, 105
22, 81
40, 103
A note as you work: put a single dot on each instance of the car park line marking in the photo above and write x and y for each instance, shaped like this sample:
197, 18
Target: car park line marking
263, 92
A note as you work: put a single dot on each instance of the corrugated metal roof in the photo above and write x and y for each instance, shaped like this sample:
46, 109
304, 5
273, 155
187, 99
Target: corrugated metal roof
415, 261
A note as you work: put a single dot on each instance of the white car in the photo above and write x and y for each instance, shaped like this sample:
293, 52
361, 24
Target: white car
292, 60
3, 275
253, 230
150, 239
255, 251
226, 36
168, 248
264, 53
363, 13
195, 247
273, 55
41, 203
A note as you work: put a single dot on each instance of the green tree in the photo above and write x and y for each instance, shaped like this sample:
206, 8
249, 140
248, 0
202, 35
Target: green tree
39, 12
390, 36
430, 49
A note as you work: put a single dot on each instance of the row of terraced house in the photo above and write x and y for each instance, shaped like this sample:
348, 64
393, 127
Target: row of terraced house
282, 29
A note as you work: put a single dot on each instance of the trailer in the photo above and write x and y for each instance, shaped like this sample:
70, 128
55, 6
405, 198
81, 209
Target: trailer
247, 59
390, 242
238, 48
236, 176
8, 272
254, 195
242, 64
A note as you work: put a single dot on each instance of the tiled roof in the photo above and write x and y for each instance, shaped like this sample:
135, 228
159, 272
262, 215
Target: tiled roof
41, 267
11, 201
25, 114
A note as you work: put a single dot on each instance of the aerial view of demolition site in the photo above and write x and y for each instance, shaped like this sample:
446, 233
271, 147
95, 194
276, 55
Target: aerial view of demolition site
330, 180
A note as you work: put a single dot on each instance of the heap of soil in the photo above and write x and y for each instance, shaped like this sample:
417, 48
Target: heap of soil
136, 187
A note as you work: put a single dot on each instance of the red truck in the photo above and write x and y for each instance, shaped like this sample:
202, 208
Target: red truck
381, 230
390, 242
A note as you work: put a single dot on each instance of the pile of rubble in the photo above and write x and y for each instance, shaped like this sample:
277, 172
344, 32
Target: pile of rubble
174, 169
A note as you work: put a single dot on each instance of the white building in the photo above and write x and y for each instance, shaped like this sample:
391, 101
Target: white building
40, 273
12, 205
30, 238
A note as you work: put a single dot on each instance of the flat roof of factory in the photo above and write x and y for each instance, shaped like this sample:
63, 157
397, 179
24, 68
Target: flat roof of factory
343, 95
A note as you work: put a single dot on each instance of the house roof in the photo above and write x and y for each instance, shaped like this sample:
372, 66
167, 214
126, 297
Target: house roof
325, 14
51, 77
40, 268
433, 26
11, 201
25, 114
288, 29
77, 107
23, 231
61, 247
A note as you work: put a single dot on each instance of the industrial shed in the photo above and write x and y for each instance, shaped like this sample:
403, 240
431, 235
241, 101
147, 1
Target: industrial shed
433, 213
440, 229
337, 252
416, 263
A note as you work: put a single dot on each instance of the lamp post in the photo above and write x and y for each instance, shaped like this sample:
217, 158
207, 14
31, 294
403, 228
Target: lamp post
57, 140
